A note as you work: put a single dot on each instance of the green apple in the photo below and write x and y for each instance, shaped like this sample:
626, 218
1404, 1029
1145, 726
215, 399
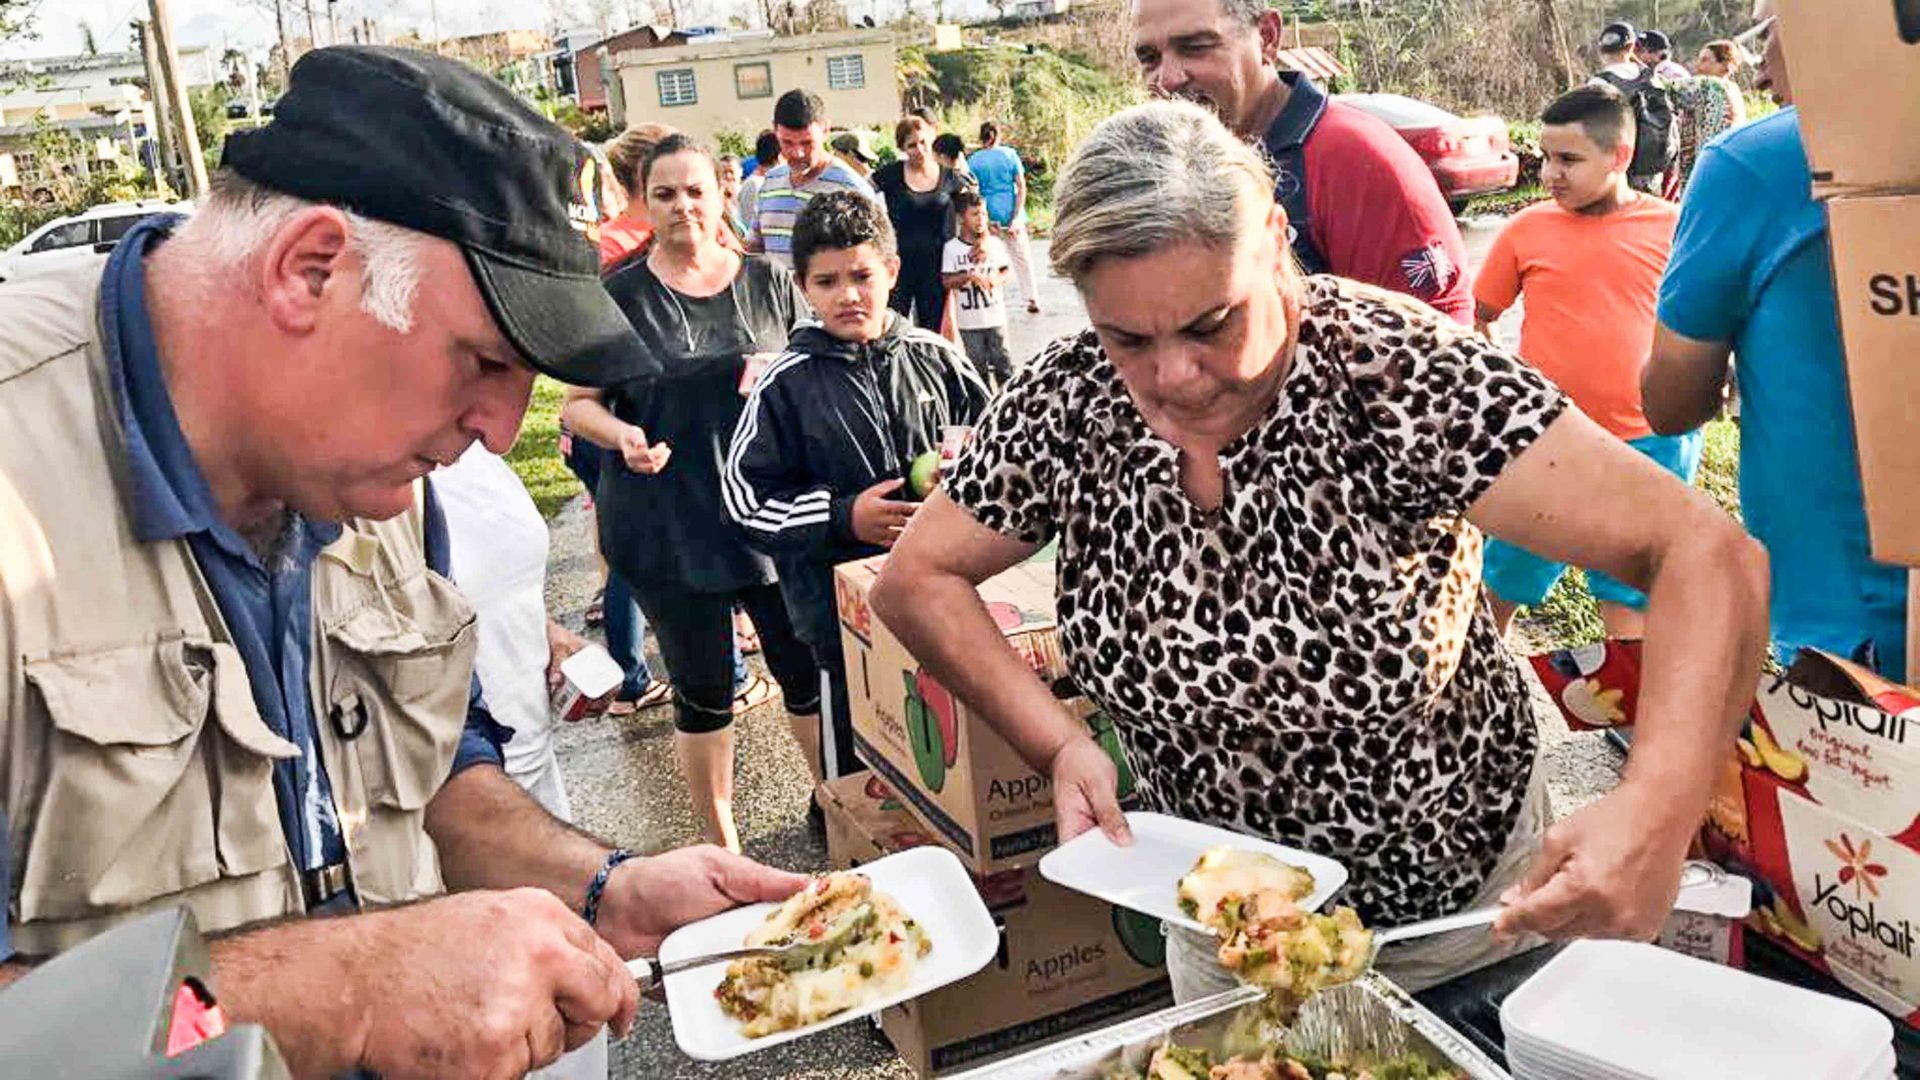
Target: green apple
923, 474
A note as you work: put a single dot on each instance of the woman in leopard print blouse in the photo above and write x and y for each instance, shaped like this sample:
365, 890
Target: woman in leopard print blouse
1269, 492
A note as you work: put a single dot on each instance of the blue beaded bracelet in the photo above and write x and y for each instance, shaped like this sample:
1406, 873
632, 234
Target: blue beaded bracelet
591, 910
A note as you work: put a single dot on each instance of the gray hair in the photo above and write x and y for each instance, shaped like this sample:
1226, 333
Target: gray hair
1150, 177
231, 228
1245, 12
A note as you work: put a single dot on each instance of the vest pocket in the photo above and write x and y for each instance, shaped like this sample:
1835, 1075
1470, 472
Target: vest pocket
398, 696
136, 801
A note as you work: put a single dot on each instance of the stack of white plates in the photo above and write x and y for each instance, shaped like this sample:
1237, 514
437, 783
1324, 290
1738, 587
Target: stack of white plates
1618, 1010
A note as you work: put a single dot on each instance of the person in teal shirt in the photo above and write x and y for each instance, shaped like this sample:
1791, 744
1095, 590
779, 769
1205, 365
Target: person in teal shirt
1002, 177
1751, 277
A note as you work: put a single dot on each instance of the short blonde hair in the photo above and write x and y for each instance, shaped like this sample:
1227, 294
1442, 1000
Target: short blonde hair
1149, 177
631, 147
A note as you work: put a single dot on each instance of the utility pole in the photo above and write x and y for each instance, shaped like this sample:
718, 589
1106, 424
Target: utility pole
280, 27
177, 97
333, 23
433, 13
313, 32
166, 164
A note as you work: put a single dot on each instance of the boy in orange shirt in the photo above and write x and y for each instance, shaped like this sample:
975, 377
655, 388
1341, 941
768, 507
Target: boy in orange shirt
1589, 263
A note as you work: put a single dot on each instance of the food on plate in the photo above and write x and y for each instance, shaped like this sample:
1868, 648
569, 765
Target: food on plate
1225, 872
1172, 1061
1251, 900
855, 945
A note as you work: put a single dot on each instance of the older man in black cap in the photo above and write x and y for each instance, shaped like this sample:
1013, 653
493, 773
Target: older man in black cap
1655, 50
236, 677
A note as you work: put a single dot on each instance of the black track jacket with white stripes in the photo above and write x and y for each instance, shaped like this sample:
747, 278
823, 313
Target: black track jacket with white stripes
826, 421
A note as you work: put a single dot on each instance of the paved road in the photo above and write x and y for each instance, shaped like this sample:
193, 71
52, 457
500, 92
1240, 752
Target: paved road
625, 786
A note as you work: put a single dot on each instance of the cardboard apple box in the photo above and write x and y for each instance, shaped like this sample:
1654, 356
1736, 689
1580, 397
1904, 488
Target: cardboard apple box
953, 771
1068, 963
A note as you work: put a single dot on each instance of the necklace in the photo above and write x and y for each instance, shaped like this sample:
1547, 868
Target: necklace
673, 297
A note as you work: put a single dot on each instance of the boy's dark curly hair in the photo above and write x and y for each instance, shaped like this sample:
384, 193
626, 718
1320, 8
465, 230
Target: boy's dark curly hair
837, 221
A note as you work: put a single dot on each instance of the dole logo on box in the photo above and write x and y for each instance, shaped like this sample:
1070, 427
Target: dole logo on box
854, 612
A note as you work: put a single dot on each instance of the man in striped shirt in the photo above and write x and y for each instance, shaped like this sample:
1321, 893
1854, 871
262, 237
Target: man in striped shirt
807, 168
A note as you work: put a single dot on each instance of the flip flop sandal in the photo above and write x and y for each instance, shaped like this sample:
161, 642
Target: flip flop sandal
659, 692
597, 610
759, 691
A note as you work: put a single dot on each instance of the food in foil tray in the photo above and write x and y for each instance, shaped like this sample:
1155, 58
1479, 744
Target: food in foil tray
857, 945
1251, 900
1175, 1062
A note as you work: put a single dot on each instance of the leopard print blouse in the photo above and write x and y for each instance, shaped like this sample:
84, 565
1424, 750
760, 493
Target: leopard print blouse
1311, 662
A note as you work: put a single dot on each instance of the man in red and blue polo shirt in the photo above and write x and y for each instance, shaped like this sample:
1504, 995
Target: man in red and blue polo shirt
1360, 203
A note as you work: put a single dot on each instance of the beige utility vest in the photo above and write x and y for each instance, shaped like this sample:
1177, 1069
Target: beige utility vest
135, 770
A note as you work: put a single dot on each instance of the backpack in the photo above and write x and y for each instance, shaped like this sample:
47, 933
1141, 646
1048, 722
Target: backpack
1657, 142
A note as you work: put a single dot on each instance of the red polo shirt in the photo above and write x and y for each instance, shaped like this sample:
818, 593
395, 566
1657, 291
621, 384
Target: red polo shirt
1372, 208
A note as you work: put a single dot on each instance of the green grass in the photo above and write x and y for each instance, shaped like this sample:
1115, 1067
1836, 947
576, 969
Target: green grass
536, 456
1504, 202
1569, 616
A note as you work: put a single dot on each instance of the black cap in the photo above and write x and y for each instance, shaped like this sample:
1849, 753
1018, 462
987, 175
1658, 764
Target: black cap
1655, 41
1617, 36
430, 144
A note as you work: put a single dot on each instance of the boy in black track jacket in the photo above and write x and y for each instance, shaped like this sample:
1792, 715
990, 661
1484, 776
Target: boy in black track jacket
831, 427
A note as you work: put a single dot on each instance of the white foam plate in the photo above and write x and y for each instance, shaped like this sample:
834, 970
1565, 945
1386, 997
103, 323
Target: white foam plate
1640, 1010
1532, 1060
931, 887
1145, 875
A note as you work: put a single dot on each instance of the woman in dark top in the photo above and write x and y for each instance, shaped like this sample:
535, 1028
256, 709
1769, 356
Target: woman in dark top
919, 193
705, 312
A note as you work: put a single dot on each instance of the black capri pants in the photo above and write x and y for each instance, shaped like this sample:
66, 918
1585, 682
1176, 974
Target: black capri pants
695, 632
919, 292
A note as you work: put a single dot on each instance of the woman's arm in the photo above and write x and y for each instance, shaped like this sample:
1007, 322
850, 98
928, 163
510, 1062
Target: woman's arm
586, 415
1581, 496
926, 597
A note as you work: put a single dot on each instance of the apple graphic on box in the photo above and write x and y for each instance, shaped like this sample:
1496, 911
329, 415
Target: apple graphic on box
1006, 616
1141, 936
933, 728
1101, 725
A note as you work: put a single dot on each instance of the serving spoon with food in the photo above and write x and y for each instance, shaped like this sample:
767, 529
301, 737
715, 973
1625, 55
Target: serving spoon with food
797, 953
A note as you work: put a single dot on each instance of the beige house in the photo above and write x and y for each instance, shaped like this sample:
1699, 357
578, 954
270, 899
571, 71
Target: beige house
729, 84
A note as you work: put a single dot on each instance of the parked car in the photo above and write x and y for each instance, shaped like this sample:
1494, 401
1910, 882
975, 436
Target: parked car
1468, 155
241, 108
64, 241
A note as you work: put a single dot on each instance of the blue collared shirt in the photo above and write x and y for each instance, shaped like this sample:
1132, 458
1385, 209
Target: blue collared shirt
267, 608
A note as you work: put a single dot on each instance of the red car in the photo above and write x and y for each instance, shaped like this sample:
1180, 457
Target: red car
1468, 155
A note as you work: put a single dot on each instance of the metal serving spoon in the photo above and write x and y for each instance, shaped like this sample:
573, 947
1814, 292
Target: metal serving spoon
649, 972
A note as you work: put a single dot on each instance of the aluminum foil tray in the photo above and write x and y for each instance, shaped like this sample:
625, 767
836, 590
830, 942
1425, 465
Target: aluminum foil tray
1371, 1017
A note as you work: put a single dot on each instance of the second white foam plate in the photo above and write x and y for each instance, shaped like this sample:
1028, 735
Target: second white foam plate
1145, 875
931, 887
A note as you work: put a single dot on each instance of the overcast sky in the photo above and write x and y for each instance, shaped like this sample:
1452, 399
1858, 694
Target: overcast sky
248, 24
